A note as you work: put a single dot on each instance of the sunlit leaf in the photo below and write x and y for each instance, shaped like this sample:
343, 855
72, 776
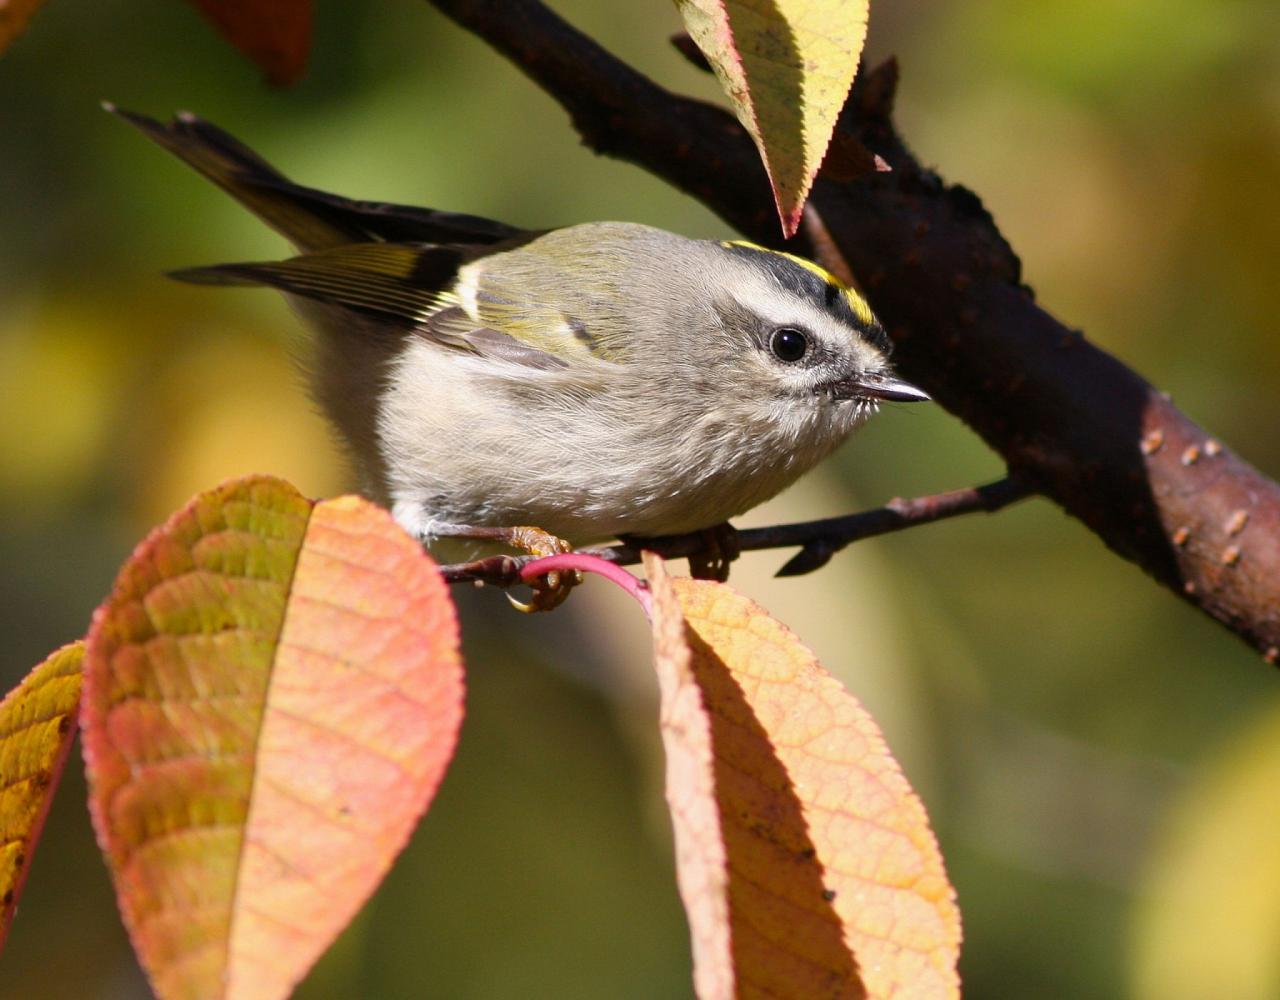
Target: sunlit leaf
274, 34
805, 861
786, 66
37, 726
14, 15
272, 694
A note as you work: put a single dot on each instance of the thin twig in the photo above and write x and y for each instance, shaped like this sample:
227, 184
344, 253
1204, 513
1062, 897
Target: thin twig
819, 540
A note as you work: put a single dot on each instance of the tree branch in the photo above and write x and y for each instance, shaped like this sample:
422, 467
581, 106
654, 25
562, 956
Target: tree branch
1067, 417
819, 540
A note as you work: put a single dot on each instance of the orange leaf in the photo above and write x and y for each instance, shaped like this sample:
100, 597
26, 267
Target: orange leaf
805, 861
272, 694
37, 726
274, 34
14, 15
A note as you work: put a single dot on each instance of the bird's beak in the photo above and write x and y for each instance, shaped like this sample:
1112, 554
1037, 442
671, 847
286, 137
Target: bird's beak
871, 385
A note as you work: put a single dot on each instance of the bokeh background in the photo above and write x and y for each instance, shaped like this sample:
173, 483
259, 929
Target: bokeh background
1100, 762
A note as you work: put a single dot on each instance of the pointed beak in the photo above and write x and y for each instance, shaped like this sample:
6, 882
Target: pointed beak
871, 385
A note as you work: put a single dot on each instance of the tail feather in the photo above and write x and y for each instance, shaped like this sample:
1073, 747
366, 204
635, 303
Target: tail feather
310, 219
240, 172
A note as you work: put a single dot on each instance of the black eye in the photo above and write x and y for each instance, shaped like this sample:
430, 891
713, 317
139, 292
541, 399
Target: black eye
789, 344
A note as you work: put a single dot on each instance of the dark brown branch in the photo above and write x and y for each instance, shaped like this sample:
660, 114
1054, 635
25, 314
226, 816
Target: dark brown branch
820, 540
1066, 416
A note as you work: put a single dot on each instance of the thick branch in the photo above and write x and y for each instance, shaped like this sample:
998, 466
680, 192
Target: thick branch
819, 540
1067, 417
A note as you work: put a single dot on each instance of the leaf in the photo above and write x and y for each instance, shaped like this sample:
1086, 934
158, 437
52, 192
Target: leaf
14, 15
805, 861
786, 66
274, 34
37, 727
273, 691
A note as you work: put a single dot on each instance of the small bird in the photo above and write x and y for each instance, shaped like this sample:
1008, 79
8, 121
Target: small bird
602, 380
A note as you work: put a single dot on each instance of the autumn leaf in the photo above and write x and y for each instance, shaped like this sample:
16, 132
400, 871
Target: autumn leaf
786, 66
14, 15
272, 694
805, 861
274, 34
37, 727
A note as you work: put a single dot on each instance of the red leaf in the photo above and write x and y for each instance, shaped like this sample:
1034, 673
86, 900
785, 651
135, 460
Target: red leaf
274, 34
14, 15
273, 692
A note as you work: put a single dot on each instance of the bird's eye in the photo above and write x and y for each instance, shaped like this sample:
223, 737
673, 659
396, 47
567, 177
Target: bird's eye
789, 344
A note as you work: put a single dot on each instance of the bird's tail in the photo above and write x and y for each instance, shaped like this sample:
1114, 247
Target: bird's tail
310, 219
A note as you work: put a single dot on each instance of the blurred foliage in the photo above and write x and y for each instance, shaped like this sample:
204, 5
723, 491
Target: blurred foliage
1092, 751
1216, 859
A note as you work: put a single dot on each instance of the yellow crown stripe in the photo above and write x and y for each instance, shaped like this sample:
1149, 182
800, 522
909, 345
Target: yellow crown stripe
856, 302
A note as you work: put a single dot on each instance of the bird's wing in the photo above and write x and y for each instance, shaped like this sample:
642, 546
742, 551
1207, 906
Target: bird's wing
417, 288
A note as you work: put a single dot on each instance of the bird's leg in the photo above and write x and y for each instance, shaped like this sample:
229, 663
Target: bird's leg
549, 591
722, 548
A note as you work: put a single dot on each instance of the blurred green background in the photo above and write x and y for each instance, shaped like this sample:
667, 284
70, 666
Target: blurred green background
1100, 762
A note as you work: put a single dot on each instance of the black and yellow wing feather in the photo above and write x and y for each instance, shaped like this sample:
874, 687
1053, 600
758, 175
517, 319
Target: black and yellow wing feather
397, 282
408, 287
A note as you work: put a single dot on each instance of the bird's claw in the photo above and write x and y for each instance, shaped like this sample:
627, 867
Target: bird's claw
721, 547
552, 589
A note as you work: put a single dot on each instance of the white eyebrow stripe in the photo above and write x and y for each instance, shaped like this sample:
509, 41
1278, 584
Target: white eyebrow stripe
780, 307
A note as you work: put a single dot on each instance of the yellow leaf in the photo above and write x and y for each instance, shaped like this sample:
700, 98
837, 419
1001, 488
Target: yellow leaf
37, 727
786, 66
805, 861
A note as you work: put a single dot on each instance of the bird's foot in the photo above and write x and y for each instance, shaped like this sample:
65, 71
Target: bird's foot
721, 548
550, 590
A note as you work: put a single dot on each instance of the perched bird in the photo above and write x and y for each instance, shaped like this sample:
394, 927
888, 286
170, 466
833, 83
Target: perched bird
602, 380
